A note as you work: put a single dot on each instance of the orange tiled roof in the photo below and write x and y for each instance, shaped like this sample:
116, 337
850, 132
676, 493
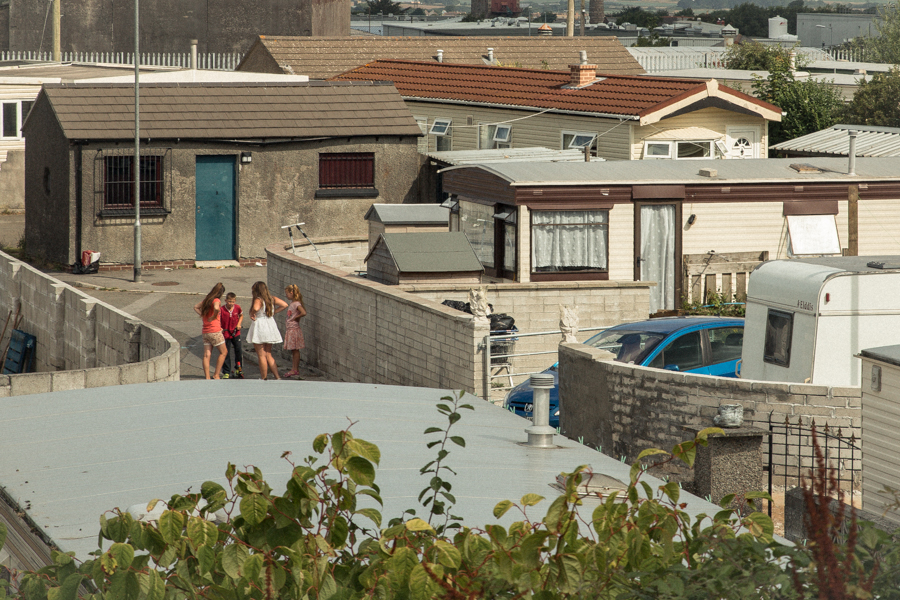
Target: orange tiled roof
636, 96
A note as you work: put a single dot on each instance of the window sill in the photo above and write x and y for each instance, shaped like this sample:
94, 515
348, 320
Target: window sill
347, 193
129, 212
570, 276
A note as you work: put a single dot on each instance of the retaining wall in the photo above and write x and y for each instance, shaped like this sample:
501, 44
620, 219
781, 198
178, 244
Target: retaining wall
344, 253
81, 342
624, 409
363, 331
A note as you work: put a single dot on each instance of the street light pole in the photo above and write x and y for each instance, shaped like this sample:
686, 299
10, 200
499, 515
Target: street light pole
136, 168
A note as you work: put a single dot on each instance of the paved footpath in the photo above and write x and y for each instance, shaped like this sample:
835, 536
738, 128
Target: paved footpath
166, 299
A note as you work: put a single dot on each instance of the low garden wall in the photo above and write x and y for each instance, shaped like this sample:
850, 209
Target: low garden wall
81, 342
624, 409
344, 253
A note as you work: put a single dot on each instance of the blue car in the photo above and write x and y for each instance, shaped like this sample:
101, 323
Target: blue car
704, 345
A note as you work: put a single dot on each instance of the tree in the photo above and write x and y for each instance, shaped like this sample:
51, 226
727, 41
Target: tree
753, 56
385, 7
876, 101
750, 19
548, 17
638, 16
418, 11
810, 105
884, 47
652, 41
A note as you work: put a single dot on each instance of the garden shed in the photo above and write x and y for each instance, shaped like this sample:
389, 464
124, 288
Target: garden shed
447, 257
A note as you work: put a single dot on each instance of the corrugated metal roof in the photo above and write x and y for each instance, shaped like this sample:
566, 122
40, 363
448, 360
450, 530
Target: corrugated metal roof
468, 157
432, 252
870, 141
174, 436
409, 214
626, 172
229, 110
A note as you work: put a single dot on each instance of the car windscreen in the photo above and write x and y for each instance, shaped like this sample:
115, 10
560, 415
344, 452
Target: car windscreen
628, 346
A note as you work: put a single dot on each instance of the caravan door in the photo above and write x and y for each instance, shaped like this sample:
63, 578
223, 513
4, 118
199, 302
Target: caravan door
657, 243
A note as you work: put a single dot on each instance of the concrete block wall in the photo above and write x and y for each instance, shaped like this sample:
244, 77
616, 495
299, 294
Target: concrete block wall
625, 409
360, 330
81, 342
346, 254
536, 308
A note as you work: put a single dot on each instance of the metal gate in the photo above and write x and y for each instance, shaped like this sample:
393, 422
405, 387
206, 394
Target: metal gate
791, 455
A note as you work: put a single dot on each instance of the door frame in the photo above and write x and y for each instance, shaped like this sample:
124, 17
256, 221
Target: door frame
679, 258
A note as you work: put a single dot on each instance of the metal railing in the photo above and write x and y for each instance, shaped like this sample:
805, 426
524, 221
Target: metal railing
498, 361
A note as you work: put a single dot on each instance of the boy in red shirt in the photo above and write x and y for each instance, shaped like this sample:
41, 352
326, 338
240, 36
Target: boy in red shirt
232, 317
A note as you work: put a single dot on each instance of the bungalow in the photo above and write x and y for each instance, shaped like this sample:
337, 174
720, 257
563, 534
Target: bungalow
639, 220
324, 58
223, 166
620, 117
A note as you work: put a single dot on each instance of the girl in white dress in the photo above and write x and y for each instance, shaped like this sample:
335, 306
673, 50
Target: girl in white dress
263, 329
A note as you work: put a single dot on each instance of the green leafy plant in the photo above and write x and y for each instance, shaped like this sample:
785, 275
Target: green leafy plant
716, 304
322, 537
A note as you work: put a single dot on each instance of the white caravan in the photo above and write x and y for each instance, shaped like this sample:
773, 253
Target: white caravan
807, 319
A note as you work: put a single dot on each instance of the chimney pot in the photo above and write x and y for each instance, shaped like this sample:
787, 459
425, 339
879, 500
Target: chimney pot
491, 55
440, 56
583, 55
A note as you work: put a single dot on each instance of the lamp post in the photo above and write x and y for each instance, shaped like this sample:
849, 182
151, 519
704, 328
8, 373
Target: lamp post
830, 34
370, 19
136, 169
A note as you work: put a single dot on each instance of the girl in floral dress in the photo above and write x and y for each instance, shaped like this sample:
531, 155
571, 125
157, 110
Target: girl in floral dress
293, 335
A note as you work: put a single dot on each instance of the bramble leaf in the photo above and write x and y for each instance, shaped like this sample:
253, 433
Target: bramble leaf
418, 525
365, 449
501, 508
360, 470
171, 524
530, 499
254, 508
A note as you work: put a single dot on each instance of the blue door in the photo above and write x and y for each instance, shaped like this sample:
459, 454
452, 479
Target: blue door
215, 208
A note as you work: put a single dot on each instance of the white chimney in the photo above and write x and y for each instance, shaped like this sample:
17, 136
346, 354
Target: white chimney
440, 56
491, 55
194, 54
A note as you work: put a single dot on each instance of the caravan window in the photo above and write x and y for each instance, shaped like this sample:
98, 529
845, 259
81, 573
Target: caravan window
779, 326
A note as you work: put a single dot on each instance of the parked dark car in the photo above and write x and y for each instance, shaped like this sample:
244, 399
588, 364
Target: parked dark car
704, 345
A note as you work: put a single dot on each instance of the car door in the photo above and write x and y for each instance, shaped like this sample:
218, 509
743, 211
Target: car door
684, 353
724, 349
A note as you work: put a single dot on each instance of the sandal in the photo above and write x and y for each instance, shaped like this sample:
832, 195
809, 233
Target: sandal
291, 374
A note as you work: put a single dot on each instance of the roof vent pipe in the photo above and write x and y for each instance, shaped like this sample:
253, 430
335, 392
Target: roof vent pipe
440, 54
852, 151
194, 55
540, 434
491, 55
583, 55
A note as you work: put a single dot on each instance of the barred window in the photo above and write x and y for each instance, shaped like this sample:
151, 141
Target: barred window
118, 182
347, 170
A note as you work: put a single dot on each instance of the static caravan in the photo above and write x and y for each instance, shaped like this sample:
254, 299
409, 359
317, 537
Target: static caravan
807, 319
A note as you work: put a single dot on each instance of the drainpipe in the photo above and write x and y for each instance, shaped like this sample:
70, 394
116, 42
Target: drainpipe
852, 151
194, 55
540, 434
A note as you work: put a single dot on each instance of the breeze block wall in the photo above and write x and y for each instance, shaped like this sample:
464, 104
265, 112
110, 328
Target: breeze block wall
624, 409
362, 331
81, 342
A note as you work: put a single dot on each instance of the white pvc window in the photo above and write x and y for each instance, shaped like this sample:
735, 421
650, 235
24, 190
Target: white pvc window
502, 134
12, 115
577, 140
678, 150
657, 150
440, 127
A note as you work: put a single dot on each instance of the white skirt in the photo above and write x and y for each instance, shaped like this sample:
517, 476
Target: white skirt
264, 330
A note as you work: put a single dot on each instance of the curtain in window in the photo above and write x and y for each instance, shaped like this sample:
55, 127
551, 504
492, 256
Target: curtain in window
658, 254
569, 240
477, 222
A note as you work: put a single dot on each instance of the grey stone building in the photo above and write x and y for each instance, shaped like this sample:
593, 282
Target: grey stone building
222, 168
168, 25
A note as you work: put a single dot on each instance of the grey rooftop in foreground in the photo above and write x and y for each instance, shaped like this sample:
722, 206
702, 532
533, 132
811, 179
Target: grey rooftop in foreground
431, 252
492, 155
70, 456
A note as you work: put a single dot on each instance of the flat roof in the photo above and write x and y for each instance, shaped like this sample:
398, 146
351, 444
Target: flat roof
70, 456
409, 214
679, 172
490, 155
887, 354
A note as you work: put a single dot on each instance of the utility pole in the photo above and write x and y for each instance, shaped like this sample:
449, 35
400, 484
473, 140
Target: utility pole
583, 15
570, 19
136, 168
57, 32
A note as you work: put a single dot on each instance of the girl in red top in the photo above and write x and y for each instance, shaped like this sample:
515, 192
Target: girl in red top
208, 309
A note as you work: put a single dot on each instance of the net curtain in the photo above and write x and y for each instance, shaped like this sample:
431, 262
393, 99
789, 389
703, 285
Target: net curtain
569, 240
